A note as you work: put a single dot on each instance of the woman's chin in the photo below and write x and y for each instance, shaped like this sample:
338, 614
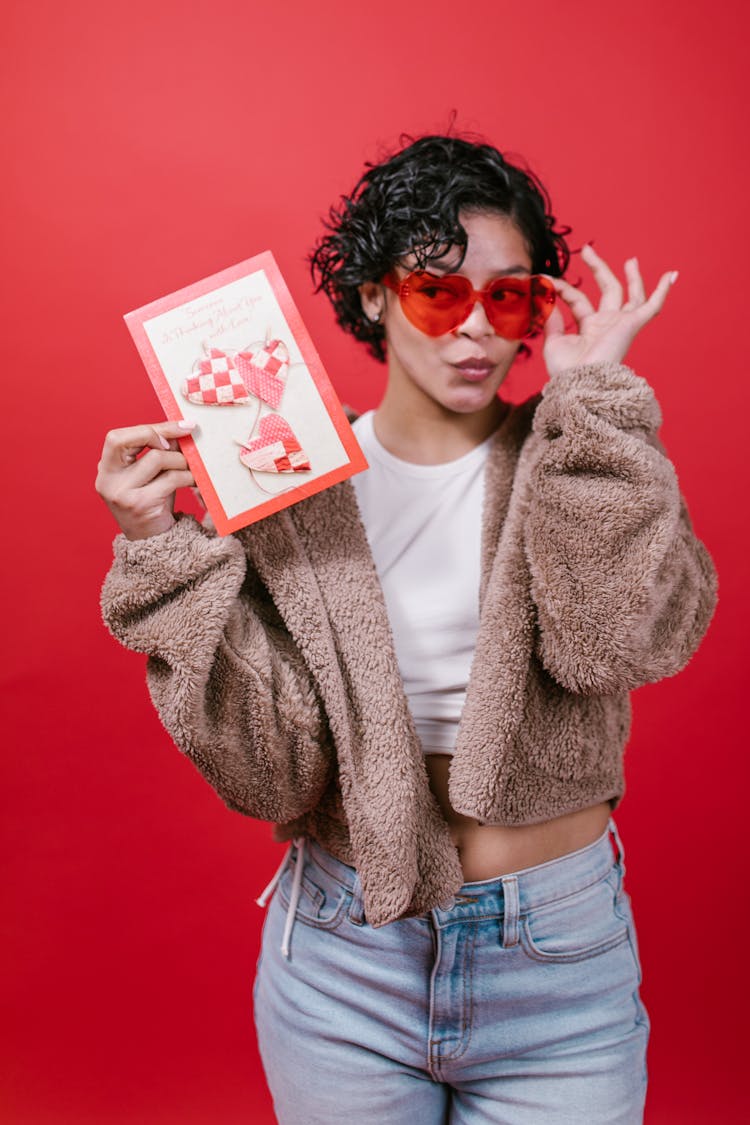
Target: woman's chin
473, 398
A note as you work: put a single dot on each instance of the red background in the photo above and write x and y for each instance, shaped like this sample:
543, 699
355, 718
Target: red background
151, 143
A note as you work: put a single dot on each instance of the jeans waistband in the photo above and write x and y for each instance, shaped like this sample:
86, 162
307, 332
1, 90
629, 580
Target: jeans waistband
502, 896
543, 883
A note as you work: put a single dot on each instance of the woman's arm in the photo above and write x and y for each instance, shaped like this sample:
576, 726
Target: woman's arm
624, 590
226, 678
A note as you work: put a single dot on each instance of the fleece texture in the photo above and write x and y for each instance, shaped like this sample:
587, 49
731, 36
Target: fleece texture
272, 664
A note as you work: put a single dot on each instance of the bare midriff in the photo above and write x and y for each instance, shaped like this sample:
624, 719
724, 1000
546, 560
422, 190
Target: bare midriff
487, 850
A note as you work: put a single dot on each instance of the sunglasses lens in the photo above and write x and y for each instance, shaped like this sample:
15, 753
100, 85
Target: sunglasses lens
515, 306
435, 305
518, 307
543, 294
508, 306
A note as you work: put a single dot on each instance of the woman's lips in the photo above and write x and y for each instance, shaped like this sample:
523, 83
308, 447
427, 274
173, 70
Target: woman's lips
475, 370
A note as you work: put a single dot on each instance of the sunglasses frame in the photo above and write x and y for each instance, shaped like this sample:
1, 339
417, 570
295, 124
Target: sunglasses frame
540, 290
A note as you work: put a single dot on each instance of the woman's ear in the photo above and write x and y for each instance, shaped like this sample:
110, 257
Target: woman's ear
372, 297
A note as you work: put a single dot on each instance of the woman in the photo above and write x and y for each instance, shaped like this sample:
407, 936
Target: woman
449, 938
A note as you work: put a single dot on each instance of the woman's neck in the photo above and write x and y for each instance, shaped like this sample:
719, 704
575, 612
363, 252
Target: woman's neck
426, 433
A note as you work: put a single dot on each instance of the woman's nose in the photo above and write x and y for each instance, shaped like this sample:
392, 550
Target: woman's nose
476, 324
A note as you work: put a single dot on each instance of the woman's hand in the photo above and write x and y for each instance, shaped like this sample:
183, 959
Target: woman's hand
605, 333
140, 469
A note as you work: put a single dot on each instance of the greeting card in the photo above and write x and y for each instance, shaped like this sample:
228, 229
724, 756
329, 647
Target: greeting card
231, 353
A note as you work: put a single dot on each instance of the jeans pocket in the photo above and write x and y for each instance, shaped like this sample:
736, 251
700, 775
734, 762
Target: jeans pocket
321, 904
576, 927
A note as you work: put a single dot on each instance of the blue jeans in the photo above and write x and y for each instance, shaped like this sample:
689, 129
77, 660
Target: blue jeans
519, 1004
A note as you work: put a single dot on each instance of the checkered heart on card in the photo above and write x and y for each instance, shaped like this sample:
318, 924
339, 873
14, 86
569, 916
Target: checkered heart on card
276, 449
217, 382
264, 368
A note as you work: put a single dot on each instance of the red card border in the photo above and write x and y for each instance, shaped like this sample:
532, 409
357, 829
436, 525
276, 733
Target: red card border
135, 322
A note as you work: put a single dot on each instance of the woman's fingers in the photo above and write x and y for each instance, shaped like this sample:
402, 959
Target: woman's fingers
151, 464
607, 281
636, 288
122, 447
145, 512
140, 470
577, 302
603, 334
162, 487
612, 292
555, 323
655, 302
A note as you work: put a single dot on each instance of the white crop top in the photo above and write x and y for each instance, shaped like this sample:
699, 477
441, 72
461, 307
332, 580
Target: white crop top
423, 524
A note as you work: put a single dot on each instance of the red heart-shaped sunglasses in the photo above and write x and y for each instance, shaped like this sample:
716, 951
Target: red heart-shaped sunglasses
515, 306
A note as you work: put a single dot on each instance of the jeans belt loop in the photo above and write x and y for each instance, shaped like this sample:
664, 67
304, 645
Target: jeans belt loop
615, 836
511, 910
357, 905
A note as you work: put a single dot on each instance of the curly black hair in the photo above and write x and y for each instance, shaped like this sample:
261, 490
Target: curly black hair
409, 204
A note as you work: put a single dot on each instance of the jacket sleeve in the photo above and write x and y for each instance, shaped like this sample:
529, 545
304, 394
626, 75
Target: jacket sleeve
225, 676
624, 591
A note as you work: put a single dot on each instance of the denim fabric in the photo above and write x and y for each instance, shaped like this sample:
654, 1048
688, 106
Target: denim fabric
519, 1004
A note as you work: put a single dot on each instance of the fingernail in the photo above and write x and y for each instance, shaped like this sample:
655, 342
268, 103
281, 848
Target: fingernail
164, 442
184, 424
673, 276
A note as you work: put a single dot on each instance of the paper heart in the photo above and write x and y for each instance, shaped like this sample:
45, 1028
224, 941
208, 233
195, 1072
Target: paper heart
217, 382
264, 368
276, 449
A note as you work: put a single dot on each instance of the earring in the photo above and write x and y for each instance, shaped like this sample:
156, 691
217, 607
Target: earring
376, 319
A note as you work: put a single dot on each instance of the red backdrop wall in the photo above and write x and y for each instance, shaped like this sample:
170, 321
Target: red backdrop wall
152, 143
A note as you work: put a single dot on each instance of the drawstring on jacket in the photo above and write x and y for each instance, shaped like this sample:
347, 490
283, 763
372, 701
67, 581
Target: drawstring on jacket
263, 897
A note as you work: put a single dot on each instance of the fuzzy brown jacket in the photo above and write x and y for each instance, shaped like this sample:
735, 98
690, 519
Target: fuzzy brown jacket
272, 662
